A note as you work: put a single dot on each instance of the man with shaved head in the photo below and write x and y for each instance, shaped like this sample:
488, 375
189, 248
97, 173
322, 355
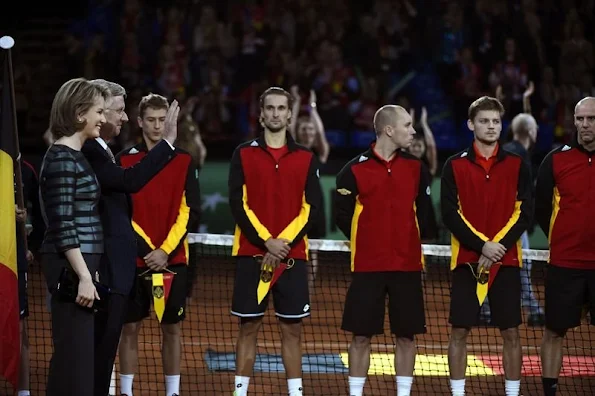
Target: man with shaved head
564, 209
382, 198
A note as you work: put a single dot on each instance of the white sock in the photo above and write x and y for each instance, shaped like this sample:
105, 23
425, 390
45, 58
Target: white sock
457, 387
24, 393
356, 386
241, 386
294, 386
126, 384
404, 385
172, 385
513, 388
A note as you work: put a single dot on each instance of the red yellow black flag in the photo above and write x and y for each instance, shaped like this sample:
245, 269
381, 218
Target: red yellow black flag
9, 314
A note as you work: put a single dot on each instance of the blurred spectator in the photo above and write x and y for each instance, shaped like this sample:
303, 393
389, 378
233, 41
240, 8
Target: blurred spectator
336, 84
368, 105
548, 94
452, 39
424, 148
189, 138
308, 129
468, 85
96, 60
510, 75
355, 55
576, 58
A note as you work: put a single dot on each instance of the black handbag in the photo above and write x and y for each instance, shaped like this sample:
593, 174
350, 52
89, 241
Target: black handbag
67, 289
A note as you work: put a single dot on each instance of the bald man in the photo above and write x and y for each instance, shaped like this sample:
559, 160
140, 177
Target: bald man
524, 132
382, 198
564, 210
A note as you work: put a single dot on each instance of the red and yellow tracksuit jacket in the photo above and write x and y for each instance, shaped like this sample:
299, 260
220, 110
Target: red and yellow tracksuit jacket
485, 200
273, 199
380, 206
166, 208
565, 192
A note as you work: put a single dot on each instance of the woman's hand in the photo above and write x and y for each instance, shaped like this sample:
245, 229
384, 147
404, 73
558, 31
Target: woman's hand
87, 294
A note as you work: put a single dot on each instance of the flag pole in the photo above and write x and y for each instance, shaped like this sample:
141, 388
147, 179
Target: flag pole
18, 178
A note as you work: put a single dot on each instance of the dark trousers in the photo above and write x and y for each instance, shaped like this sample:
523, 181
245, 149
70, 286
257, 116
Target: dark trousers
72, 364
108, 326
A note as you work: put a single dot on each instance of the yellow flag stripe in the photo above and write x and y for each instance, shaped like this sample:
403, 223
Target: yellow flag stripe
482, 292
263, 290
158, 299
8, 243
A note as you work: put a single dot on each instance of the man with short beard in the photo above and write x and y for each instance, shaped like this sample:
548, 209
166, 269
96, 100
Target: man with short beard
564, 210
274, 197
487, 205
117, 267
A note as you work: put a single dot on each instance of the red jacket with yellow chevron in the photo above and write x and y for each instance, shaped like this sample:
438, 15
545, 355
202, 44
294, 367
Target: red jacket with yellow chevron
166, 208
270, 199
480, 206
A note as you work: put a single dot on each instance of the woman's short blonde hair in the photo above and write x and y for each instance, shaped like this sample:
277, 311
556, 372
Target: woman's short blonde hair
74, 98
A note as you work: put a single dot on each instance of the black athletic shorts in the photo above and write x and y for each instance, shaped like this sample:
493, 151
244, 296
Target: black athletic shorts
142, 296
504, 296
23, 298
567, 291
365, 303
291, 296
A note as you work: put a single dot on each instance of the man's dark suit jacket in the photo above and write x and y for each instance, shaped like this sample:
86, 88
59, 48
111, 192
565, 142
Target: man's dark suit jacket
118, 264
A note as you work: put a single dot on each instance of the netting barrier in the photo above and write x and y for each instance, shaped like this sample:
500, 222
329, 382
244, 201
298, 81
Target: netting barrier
209, 334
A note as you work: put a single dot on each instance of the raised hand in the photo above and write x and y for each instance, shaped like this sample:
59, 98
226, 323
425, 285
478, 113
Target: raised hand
529, 90
171, 122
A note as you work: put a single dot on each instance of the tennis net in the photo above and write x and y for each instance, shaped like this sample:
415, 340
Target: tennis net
209, 334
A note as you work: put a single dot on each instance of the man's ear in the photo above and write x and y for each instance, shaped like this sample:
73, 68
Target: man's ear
388, 130
470, 125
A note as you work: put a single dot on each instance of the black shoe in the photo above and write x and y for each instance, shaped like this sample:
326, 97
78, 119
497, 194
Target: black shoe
536, 320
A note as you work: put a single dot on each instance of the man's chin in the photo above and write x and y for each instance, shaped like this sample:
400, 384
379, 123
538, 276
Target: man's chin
275, 129
489, 140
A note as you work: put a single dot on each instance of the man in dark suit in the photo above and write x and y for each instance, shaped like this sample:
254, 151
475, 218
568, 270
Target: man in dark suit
118, 264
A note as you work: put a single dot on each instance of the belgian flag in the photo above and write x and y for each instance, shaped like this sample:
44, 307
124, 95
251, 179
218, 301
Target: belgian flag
9, 299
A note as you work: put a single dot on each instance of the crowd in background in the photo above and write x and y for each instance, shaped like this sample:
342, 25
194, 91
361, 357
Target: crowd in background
217, 57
